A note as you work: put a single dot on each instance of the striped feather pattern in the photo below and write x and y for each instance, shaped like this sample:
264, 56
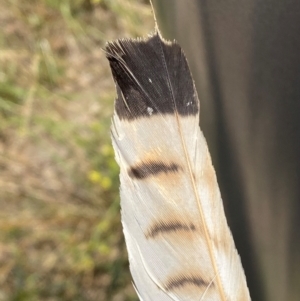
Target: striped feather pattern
179, 244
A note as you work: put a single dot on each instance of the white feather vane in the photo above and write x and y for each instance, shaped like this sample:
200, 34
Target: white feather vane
179, 244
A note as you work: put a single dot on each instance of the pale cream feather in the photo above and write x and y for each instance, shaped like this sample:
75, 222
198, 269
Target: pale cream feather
179, 244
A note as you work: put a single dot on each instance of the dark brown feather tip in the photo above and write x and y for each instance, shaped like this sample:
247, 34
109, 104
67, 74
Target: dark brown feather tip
152, 77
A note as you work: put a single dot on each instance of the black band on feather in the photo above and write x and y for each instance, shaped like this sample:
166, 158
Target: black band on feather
152, 77
145, 170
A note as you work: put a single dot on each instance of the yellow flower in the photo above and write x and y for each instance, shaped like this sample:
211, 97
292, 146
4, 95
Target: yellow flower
97, 178
94, 176
106, 183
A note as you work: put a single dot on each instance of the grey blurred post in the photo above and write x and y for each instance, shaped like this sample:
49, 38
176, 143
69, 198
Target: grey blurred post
245, 58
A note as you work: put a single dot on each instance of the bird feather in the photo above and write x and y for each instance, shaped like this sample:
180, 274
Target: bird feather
179, 245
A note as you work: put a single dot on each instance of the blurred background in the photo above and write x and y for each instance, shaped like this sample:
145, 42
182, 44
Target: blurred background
60, 231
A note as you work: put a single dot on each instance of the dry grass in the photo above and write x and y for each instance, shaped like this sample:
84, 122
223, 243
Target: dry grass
59, 221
